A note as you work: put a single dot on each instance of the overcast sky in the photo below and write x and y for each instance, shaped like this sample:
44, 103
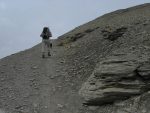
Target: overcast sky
21, 21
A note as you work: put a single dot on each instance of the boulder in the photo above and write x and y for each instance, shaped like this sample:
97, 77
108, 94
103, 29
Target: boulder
116, 78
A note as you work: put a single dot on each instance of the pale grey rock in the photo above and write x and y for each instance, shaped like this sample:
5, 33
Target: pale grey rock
116, 78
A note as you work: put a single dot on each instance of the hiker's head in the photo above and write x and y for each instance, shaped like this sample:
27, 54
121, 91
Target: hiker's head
45, 29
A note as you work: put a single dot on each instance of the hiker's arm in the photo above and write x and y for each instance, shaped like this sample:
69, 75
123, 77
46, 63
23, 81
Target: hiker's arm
41, 35
49, 34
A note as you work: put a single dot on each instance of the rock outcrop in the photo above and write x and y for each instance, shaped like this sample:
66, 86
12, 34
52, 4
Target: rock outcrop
117, 78
138, 104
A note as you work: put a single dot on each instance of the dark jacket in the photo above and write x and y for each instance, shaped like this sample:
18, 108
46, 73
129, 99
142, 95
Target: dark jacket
46, 34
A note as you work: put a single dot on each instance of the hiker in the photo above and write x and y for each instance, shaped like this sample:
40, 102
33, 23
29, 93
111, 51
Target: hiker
46, 44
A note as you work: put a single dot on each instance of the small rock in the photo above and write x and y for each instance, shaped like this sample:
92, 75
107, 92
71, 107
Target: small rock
2, 72
144, 111
54, 89
34, 67
35, 105
57, 70
144, 71
66, 80
10, 96
45, 107
60, 106
146, 47
4, 65
19, 69
52, 77
62, 62
59, 86
2, 79
19, 106
32, 79
93, 108
86, 57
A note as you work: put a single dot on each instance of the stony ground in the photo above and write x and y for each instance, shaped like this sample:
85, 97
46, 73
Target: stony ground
30, 84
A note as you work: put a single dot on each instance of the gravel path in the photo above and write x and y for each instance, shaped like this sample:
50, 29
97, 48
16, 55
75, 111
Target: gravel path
30, 84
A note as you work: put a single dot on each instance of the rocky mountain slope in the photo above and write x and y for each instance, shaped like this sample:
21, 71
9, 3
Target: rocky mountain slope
102, 66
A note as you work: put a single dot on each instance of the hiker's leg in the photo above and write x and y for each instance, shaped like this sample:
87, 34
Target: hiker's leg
43, 48
48, 47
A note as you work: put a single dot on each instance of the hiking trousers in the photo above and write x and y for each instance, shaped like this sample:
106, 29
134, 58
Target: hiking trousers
46, 46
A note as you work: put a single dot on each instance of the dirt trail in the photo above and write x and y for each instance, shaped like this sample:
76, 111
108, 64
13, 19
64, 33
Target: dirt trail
48, 83
55, 91
30, 84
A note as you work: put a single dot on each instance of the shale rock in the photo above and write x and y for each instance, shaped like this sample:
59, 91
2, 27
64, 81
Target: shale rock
116, 78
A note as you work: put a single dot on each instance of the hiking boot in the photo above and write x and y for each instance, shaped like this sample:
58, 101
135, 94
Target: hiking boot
43, 56
49, 54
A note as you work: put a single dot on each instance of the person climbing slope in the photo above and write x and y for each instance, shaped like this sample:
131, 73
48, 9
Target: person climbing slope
46, 44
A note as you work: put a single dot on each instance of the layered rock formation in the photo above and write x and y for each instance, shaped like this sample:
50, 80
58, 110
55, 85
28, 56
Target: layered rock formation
123, 73
116, 78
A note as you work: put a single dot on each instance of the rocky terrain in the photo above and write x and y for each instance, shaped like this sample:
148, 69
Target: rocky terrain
102, 66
